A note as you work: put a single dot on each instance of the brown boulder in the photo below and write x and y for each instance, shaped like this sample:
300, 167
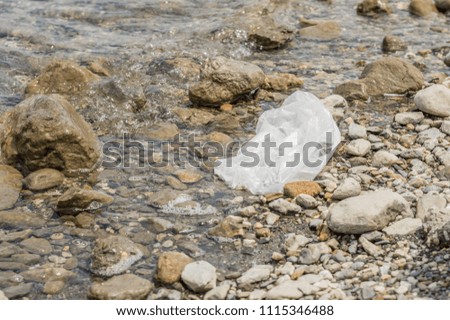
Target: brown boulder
47, 132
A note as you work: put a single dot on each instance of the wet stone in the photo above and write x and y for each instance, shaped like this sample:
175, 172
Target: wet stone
37, 246
18, 291
10, 186
76, 200
114, 255
170, 266
123, 287
44, 179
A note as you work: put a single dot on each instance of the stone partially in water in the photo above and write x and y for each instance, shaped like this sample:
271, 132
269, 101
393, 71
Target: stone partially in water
161, 131
170, 266
43, 179
391, 75
266, 35
47, 132
123, 287
352, 90
10, 186
225, 81
393, 44
114, 255
367, 212
61, 77
322, 30
373, 8
76, 200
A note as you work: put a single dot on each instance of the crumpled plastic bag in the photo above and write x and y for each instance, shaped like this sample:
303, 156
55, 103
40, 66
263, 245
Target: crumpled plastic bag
293, 142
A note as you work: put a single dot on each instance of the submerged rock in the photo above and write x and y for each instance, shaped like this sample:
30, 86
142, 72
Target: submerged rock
43, 179
114, 255
20, 219
10, 186
393, 44
422, 8
266, 35
373, 8
123, 287
225, 81
47, 132
61, 77
434, 100
367, 212
321, 30
76, 200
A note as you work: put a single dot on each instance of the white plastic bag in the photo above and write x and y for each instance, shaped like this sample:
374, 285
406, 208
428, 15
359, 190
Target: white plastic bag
293, 142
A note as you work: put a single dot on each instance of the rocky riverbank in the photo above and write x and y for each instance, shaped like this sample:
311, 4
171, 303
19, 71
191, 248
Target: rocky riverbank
80, 221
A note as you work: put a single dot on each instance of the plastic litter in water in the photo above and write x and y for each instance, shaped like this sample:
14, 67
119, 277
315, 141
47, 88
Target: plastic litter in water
293, 142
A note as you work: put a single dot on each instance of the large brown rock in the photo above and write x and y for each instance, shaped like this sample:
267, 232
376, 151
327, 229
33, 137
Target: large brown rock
10, 186
386, 75
47, 132
391, 75
61, 77
224, 81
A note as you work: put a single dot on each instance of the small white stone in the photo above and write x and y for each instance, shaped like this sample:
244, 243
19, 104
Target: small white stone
356, 131
405, 118
2, 296
349, 188
256, 274
383, 158
358, 147
199, 276
445, 127
404, 227
306, 201
218, 293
